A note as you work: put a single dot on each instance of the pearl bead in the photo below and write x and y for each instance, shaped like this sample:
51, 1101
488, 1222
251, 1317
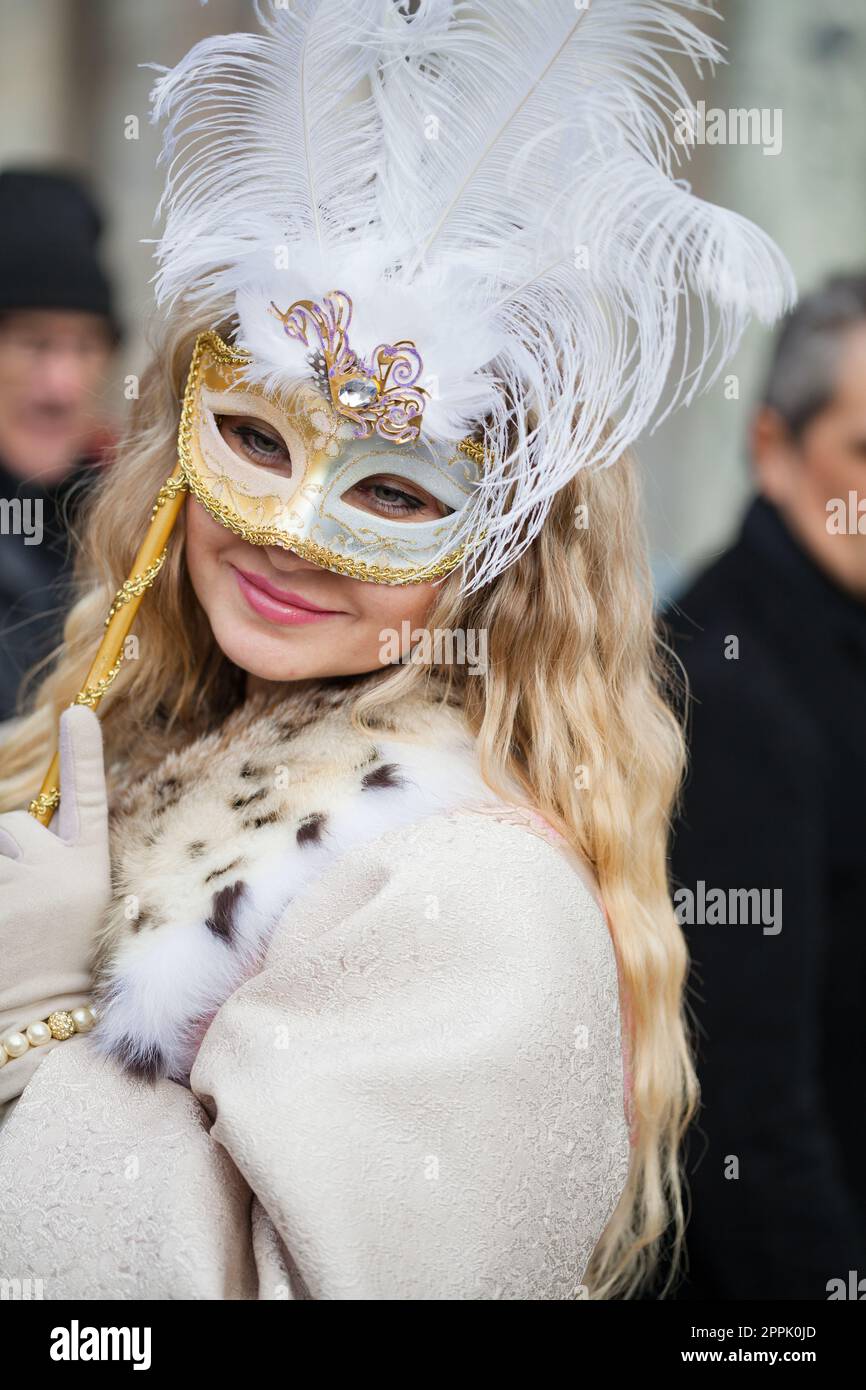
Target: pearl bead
83, 1018
38, 1034
15, 1044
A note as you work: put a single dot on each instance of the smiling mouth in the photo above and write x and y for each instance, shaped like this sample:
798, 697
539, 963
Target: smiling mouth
280, 605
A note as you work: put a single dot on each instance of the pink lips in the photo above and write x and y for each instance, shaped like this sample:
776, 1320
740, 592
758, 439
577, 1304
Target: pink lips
280, 605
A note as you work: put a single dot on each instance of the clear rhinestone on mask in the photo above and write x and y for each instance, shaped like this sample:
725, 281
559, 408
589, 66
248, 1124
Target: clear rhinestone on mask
357, 392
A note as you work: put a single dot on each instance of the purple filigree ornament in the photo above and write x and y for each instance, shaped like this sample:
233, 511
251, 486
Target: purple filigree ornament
379, 394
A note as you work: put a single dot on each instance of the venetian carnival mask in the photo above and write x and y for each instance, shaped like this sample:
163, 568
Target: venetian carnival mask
348, 424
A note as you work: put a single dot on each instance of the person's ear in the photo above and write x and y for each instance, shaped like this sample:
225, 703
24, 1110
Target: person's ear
775, 454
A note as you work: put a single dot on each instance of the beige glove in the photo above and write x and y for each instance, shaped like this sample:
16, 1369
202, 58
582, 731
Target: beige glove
54, 888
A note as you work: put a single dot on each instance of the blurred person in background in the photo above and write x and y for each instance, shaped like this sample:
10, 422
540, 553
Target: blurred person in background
773, 639
57, 333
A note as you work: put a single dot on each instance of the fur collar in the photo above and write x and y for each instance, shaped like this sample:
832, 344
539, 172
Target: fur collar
210, 847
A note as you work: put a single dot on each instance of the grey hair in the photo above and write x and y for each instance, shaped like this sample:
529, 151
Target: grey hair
801, 381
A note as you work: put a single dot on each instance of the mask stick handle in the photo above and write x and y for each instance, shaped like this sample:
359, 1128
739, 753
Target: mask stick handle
109, 657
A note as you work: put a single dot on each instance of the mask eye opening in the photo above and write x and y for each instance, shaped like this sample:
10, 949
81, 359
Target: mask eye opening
394, 498
254, 439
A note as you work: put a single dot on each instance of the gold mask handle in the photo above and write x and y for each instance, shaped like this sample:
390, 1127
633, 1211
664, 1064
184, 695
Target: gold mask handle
108, 660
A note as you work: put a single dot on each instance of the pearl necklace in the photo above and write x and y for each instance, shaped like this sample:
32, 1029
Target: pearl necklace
59, 1026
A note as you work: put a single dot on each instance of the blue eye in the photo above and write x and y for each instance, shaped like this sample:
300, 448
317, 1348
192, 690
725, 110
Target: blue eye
250, 440
393, 497
386, 498
257, 442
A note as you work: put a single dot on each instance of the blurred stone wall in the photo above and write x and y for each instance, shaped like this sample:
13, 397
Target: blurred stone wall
73, 91
809, 62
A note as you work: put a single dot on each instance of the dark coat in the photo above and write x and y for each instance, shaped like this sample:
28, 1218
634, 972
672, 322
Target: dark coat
35, 579
776, 799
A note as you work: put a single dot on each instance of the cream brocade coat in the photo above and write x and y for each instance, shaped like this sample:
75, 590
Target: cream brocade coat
418, 1092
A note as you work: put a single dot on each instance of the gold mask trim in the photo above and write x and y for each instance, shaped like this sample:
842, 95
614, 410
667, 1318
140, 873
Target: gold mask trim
210, 341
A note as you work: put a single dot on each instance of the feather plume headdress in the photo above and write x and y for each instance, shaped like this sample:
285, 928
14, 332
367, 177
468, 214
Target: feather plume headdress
492, 187
461, 231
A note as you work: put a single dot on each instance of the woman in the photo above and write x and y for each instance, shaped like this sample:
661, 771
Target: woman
387, 982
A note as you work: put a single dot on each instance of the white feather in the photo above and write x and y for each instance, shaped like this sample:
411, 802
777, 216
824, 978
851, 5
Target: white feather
448, 171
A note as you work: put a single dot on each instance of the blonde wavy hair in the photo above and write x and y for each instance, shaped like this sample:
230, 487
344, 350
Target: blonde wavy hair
575, 679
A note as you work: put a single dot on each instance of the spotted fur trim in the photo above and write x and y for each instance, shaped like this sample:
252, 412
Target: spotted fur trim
210, 848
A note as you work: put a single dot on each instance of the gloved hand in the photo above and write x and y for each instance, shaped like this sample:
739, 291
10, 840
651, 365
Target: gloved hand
54, 888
